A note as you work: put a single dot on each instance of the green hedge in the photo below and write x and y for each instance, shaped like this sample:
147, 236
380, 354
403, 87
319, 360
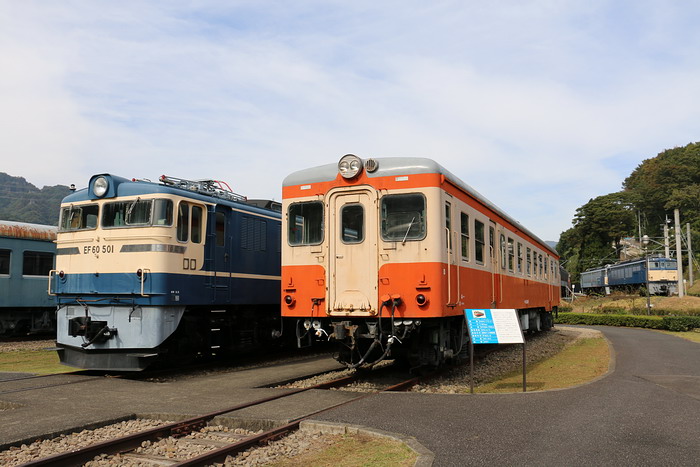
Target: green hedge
668, 323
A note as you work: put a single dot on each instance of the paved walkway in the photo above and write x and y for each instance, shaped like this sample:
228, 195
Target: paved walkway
645, 412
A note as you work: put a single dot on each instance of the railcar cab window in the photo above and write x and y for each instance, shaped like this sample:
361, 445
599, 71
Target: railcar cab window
83, 217
5, 256
352, 220
403, 217
305, 223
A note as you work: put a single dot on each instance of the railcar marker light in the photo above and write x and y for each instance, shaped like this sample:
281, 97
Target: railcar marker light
289, 300
99, 188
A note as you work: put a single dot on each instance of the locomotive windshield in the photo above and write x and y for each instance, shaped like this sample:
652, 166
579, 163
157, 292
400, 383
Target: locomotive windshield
403, 217
138, 213
305, 223
83, 217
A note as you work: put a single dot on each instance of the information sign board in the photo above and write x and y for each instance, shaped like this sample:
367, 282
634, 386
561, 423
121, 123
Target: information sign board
493, 326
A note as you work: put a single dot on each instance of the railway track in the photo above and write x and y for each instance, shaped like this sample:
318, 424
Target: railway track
226, 445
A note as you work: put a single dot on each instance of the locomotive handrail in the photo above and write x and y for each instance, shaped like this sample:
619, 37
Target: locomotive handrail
49, 289
143, 280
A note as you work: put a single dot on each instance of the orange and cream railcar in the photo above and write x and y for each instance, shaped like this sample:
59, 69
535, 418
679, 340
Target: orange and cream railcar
384, 255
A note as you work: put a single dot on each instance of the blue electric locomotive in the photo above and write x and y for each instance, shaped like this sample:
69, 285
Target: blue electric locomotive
632, 275
26, 256
163, 271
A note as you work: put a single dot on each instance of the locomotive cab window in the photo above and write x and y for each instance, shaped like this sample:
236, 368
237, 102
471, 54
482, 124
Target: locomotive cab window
183, 222
305, 223
196, 226
220, 229
5, 256
37, 263
403, 217
79, 217
352, 223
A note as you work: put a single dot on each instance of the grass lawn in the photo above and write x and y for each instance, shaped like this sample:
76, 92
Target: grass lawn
581, 362
691, 336
40, 362
366, 451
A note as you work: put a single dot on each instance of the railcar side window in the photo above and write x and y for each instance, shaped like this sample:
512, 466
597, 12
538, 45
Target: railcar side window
511, 254
82, 217
352, 219
134, 213
37, 263
540, 258
464, 228
196, 227
534, 263
448, 226
520, 258
529, 262
503, 252
305, 223
183, 221
479, 242
5, 256
403, 217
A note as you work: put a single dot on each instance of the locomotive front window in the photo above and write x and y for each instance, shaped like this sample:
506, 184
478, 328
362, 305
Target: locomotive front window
305, 223
352, 220
403, 217
163, 212
5, 261
134, 213
82, 217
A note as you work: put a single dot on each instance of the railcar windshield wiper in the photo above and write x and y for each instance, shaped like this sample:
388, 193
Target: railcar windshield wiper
403, 242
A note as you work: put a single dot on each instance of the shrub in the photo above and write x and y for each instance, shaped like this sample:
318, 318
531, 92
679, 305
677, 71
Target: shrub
669, 323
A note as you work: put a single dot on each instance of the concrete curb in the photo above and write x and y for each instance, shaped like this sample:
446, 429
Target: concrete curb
425, 456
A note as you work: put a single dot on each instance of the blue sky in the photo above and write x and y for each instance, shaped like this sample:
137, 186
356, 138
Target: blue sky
539, 105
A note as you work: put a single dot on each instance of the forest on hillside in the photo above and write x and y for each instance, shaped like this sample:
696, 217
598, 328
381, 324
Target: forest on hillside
669, 181
23, 202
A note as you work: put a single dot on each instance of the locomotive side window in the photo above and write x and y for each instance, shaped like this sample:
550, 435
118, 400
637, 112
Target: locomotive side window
305, 223
196, 226
352, 219
37, 263
403, 217
5, 261
183, 222
464, 228
511, 254
479, 242
79, 217
220, 229
135, 213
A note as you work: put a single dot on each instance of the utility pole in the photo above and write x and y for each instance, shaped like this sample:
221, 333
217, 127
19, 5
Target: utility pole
679, 254
690, 257
667, 245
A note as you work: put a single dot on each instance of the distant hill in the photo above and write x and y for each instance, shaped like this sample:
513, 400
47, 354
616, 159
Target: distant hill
23, 202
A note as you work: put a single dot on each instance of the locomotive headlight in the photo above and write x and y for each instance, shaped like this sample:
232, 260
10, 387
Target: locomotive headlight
99, 188
349, 166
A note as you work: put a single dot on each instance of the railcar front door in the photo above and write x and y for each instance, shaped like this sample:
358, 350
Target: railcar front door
353, 253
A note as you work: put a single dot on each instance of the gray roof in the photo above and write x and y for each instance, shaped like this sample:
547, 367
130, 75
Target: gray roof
394, 166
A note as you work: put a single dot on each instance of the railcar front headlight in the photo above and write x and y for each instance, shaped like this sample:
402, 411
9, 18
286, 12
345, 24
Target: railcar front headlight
349, 166
99, 188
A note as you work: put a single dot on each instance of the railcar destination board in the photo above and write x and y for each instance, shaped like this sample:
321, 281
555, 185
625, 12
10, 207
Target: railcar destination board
494, 326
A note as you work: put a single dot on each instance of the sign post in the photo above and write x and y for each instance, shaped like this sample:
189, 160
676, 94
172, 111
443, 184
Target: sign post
491, 326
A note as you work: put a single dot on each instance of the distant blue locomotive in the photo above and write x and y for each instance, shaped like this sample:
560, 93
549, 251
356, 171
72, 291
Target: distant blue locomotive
632, 275
27, 254
164, 271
